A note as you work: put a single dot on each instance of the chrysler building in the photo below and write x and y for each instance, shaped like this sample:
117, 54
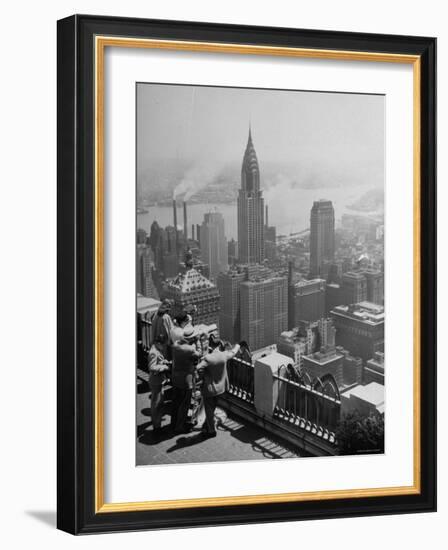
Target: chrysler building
250, 210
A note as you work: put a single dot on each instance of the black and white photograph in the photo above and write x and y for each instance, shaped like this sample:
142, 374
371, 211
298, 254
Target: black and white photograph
260, 274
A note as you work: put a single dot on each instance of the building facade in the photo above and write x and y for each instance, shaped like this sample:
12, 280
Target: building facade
229, 316
306, 301
352, 367
375, 285
144, 270
232, 248
360, 328
164, 243
321, 237
353, 288
250, 210
374, 369
323, 362
264, 313
214, 243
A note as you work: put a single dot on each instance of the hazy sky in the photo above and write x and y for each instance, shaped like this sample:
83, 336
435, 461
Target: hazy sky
319, 132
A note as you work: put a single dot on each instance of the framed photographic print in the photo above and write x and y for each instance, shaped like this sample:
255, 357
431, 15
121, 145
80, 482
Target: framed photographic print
246, 274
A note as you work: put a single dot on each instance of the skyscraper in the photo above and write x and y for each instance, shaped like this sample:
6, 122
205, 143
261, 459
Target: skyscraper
360, 328
214, 243
375, 285
229, 316
354, 287
250, 209
164, 247
306, 301
145, 265
232, 247
321, 236
264, 310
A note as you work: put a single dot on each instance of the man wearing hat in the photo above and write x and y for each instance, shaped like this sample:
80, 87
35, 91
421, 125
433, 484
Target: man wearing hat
216, 381
181, 321
185, 359
162, 325
158, 369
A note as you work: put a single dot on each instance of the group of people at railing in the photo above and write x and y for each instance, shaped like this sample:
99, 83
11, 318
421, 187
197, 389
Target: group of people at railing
192, 360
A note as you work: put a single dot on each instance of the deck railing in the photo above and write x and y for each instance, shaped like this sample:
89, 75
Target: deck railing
241, 379
298, 401
303, 406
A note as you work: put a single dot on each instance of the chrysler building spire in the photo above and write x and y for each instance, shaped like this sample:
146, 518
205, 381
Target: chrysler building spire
250, 208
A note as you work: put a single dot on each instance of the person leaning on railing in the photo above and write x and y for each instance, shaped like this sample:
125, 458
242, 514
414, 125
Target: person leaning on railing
214, 365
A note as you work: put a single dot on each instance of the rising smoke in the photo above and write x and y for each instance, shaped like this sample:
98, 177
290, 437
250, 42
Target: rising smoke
196, 178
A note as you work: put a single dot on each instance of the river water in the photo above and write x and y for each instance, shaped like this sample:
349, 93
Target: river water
289, 210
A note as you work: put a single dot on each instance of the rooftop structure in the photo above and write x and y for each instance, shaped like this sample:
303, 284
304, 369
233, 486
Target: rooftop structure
192, 288
374, 369
364, 399
360, 328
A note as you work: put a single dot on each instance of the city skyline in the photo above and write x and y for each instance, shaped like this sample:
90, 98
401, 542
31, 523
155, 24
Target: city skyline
306, 307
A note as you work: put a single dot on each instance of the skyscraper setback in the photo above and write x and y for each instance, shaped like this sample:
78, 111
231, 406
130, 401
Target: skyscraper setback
250, 209
321, 237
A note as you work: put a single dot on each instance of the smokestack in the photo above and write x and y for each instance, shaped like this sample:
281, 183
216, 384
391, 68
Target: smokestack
175, 214
267, 216
192, 231
185, 221
175, 224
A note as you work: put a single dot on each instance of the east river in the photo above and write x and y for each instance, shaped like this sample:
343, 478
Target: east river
289, 211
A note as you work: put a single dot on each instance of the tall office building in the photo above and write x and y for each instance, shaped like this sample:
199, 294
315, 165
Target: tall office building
353, 287
306, 301
145, 265
321, 237
360, 328
250, 209
232, 248
141, 236
264, 310
214, 243
229, 290
352, 367
375, 285
332, 297
163, 244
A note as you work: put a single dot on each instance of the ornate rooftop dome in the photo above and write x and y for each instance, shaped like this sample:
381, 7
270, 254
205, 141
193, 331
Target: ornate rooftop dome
191, 281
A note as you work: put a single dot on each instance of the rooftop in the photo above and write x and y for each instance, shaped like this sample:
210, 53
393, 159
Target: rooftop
190, 281
322, 358
362, 311
372, 393
235, 440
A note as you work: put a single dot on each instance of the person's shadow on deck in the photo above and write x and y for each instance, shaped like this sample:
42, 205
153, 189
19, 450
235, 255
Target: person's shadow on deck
183, 442
147, 437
